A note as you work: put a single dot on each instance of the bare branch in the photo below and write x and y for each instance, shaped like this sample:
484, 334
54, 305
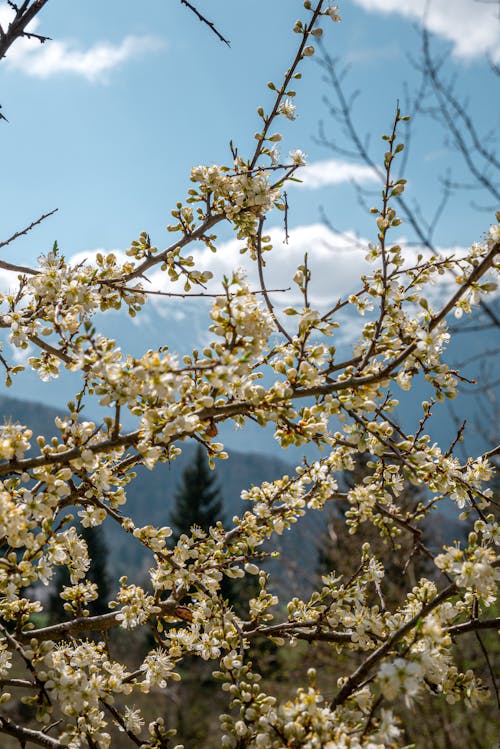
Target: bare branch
26, 230
28, 734
206, 21
343, 113
473, 626
445, 98
18, 268
185, 295
16, 29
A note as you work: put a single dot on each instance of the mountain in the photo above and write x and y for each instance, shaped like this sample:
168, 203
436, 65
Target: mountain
39, 418
184, 327
151, 494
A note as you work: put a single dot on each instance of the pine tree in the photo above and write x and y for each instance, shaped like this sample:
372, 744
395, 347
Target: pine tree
198, 501
98, 553
97, 573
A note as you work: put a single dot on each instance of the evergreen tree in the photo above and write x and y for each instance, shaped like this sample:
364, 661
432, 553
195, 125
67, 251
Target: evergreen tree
55, 606
97, 573
198, 501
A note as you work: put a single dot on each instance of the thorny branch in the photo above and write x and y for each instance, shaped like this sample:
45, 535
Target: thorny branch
25, 12
205, 20
24, 231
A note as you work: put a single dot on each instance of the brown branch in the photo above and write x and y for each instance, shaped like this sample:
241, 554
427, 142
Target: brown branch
26, 230
263, 288
356, 678
473, 626
491, 453
204, 20
16, 29
121, 722
50, 349
294, 629
125, 440
185, 295
99, 623
299, 634
17, 268
25, 735
198, 233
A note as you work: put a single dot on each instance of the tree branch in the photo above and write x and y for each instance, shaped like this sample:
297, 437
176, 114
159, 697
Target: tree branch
28, 734
473, 625
25, 231
99, 623
354, 681
16, 28
204, 20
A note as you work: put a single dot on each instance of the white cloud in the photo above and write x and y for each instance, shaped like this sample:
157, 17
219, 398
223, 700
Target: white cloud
369, 54
336, 261
472, 27
8, 281
89, 256
333, 172
65, 56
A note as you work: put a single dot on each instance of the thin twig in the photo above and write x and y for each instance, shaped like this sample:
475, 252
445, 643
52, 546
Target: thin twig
28, 229
490, 667
185, 295
204, 20
260, 264
353, 681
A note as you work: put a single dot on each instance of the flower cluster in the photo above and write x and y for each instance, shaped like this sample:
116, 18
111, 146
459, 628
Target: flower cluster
289, 377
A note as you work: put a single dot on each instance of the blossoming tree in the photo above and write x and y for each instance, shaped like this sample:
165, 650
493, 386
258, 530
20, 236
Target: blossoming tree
344, 406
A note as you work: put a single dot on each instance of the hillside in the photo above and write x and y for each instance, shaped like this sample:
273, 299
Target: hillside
151, 495
39, 418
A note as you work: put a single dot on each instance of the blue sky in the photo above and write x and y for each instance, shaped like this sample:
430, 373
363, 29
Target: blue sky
106, 120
